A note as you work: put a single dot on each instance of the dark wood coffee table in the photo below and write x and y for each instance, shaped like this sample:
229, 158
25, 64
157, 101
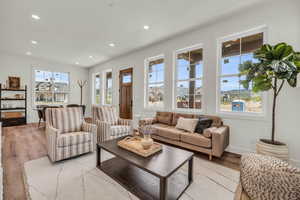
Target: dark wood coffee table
155, 177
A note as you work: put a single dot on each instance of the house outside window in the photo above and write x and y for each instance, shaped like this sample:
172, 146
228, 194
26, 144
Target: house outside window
233, 97
51, 87
188, 78
97, 89
108, 88
155, 68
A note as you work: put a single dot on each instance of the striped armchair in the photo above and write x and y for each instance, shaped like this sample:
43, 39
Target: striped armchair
109, 125
67, 133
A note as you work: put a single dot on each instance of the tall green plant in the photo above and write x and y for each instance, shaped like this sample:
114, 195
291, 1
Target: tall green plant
276, 65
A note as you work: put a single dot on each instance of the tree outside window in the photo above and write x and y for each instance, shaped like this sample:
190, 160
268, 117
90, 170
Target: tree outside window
233, 96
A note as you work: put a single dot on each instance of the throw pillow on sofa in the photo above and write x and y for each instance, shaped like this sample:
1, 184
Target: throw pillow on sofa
203, 123
187, 124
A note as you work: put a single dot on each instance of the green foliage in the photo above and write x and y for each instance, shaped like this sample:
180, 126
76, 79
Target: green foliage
278, 62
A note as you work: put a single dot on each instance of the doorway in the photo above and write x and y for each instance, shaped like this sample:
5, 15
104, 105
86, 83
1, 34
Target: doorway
125, 93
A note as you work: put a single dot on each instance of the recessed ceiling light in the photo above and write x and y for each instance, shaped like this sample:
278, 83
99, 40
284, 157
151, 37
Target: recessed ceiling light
112, 45
33, 42
35, 17
77, 63
90, 56
146, 27
28, 53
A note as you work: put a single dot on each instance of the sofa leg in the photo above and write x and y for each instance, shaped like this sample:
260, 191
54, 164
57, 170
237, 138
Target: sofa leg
210, 157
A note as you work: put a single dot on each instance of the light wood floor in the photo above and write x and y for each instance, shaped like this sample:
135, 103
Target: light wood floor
24, 143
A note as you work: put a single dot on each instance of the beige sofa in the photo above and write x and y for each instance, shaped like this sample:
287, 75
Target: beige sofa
213, 141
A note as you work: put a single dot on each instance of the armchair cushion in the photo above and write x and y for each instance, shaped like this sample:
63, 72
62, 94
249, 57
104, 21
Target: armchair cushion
75, 138
67, 119
120, 130
109, 114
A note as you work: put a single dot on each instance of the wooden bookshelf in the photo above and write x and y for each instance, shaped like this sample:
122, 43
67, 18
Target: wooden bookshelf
14, 121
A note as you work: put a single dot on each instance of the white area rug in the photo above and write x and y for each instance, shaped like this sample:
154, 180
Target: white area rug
78, 179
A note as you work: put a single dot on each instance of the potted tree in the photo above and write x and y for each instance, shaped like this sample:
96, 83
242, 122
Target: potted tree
276, 65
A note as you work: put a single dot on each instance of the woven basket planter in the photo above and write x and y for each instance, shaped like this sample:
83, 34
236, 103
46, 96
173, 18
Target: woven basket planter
278, 151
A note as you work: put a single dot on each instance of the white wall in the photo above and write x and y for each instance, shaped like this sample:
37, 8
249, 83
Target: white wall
282, 19
22, 66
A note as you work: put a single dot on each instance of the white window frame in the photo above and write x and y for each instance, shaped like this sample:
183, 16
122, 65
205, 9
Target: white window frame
94, 87
250, 115
175, 54
52, 71
104, 87
146, 84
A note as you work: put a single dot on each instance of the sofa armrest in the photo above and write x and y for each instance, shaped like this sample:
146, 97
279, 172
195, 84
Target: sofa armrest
147, 121
51, 136
220, 139
103, 130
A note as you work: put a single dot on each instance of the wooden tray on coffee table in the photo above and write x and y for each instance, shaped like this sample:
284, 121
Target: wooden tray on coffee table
134, 145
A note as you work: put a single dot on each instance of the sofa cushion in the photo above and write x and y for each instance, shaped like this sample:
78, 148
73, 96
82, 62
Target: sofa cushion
217, 121
203, 123
196, 139
177, 115
169, 132
164, 117
187, 124
208, 132
159, 125
74, 138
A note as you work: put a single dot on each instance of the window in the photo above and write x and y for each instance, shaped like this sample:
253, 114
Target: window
155, 68
51, 87
97, 89
108, 88
188, 78
127, 77
233, 97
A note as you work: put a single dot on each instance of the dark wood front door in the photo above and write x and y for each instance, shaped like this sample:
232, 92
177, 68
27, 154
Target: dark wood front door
126, 94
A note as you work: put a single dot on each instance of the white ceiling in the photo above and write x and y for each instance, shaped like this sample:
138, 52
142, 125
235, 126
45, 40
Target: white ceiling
69, 31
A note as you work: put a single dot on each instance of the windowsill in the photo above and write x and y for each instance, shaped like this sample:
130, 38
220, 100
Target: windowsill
153, 108
243, 116
191, 111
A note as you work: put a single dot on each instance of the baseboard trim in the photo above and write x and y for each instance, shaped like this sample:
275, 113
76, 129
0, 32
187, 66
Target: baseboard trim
238, 150
241, 150
295, 162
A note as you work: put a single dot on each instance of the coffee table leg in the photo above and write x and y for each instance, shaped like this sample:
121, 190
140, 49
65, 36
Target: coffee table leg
163, 188
191, 166
98, 156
